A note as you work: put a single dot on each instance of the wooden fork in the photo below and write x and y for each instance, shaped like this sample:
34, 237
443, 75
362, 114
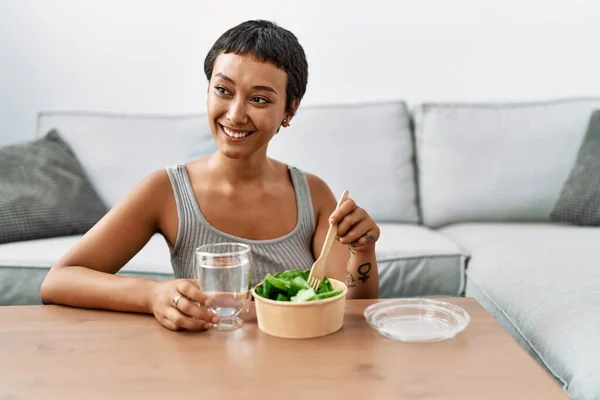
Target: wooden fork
319, 268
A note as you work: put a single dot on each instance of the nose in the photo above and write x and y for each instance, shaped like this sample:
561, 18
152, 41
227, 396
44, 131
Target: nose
237, 112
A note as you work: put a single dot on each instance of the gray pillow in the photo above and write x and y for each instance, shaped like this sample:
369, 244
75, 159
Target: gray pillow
579, 201
44, 192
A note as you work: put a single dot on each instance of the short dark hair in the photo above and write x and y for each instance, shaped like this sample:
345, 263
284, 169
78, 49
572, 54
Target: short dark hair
268, 42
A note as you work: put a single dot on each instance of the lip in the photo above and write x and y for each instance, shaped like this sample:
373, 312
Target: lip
232, 139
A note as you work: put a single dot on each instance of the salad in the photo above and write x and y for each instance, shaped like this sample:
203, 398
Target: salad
293, 286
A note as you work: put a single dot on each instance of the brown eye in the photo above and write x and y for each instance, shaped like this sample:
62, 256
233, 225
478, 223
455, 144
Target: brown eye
260, 100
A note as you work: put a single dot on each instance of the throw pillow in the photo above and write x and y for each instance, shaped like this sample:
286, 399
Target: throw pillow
579, 201
44, 191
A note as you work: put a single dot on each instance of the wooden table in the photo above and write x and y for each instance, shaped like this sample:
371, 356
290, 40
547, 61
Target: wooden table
51, 352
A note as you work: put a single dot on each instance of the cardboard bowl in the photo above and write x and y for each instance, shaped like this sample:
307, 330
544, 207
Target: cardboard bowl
304, 320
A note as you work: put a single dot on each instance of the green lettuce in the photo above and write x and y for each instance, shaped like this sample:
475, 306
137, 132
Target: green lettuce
292, 285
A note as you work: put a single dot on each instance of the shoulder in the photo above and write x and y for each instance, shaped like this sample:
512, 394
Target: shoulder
317, 185
321, 195
195, 169
157, 181
153, 200
153, 191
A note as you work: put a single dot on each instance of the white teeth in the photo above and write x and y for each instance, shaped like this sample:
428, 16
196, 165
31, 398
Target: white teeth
236, 135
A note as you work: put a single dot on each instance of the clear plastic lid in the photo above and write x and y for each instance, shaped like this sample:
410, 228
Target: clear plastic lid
417, 320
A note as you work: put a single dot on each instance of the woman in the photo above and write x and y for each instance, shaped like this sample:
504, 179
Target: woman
257, 75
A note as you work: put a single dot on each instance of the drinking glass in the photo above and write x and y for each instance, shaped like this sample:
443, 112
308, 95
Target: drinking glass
224, 273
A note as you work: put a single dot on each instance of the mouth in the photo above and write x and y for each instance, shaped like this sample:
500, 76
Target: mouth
235, 134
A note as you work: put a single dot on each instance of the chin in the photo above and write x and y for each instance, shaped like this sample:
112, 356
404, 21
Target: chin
231, 153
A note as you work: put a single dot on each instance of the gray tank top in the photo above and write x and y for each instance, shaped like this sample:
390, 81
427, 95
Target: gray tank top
291, 251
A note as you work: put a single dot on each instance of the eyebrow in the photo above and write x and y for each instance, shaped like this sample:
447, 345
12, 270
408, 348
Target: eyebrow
255, 87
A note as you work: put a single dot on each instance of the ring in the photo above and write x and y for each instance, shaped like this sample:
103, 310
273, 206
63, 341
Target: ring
176, 300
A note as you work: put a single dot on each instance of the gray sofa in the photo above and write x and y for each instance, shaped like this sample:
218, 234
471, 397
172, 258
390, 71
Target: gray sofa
462, 192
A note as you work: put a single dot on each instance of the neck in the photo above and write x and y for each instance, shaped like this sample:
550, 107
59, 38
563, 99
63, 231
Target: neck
241, 170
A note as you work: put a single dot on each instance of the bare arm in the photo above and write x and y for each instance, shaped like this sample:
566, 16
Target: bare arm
362, 273
351, 262
85, 276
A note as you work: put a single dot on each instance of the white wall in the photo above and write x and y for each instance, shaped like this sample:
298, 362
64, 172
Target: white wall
146, 56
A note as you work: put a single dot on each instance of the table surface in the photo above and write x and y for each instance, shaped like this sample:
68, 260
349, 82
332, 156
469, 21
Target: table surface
54, 352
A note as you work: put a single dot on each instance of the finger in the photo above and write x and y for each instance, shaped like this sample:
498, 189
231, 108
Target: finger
190, 290
344, 209
196, 310
363, 243
356, 233
167, 324
367, 239
350, 220
182, 321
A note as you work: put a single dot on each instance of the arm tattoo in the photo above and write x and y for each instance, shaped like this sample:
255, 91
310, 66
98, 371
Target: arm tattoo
363, 272
369, 237
351, 252
350, 282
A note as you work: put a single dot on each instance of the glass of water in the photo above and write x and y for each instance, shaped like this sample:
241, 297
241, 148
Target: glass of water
224, 274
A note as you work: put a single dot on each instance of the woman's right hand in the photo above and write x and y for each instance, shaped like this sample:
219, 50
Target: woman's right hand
180, 304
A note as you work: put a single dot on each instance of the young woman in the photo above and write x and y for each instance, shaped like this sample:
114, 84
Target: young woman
257, 73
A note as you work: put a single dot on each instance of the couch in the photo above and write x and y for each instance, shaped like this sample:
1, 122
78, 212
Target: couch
463, 194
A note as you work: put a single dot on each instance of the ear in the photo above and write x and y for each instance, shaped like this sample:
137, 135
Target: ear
289, 115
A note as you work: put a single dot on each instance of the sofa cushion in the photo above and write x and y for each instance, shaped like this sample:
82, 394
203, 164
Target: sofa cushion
23, 265
44, 192
496, 162
366, 149
118, 150
579, 201
43, 253
414, 260
543, 279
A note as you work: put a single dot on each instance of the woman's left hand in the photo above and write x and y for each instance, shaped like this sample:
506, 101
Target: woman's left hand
356, 228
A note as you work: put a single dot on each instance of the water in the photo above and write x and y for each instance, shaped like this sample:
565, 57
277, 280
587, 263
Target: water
227, 312
228, 286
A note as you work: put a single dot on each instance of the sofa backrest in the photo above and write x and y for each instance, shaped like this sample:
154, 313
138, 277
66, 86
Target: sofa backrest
364, 148
496, 162
117, 150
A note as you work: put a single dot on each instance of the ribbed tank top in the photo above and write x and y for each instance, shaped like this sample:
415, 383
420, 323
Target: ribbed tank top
291, 251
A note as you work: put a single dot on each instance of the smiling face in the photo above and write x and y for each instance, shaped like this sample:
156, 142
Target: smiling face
246, 104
